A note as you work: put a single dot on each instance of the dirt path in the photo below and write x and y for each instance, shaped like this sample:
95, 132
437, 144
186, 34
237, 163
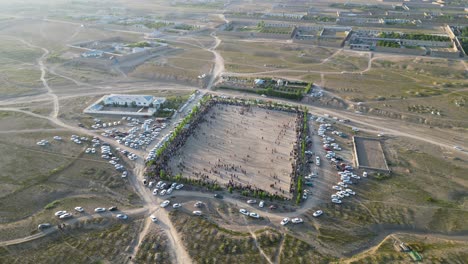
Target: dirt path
256, 242
218, 60
280, 250
68, 222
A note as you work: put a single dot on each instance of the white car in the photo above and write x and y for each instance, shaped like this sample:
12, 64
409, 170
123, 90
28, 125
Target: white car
254, 215
334, 196
342, 184
244, 212
99, 210
297, 220
350, 191
79, 209
317, 213
124, 174
364, 174
251, 201
153, 218
338, 188
65, 216
122, 216
163, 192
337, 201
261, 204
317, 161
197, 213
176, 205
285, 221
180, 186
155, 192
59, 213
165, 203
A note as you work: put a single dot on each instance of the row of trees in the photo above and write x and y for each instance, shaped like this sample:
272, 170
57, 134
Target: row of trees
269, 91
413, 36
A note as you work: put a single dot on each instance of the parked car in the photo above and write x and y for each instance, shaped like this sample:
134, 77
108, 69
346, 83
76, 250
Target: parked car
59, 213
254, 215
180, 186
251, 201
198, 204
99, 210
44, 226
317, 213
261, 204
297, 220
65, 216
165, 203
244, 212
113, 208
79, 209
337, 201
153, 218
285, 221
338, 188
197, 213
176, 205
219, 196
122, 216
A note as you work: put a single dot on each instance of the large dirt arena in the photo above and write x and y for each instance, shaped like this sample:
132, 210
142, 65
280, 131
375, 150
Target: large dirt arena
249, 146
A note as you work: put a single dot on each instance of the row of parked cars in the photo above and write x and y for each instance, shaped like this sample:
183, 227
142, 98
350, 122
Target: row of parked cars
99, 124
44, 142
63, 214
163, 188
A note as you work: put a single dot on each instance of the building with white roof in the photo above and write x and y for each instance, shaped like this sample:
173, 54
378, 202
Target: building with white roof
133, 100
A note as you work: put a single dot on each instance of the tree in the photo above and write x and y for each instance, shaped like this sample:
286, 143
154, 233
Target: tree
230, 189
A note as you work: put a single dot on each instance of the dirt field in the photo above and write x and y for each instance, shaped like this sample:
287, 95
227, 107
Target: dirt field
251, 148
370, 153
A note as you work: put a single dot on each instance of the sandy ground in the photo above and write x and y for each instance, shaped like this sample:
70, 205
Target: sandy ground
252, 148
370, 153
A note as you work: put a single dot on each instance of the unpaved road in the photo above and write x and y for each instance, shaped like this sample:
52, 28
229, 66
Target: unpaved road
53, 229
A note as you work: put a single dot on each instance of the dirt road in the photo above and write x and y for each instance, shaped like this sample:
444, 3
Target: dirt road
53, 229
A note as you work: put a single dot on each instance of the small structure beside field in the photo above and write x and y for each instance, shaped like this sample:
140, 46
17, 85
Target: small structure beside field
369, 154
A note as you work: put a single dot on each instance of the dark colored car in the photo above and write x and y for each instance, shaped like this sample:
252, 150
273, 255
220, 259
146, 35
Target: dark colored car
272, 207
113, 208
219, 196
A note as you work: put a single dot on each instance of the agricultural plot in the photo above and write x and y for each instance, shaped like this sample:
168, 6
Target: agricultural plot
243, 146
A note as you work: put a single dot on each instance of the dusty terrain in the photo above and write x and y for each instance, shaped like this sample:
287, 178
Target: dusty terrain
250, 147
43, 91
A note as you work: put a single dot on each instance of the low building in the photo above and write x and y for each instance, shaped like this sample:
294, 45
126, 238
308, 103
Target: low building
133, 100
92, 54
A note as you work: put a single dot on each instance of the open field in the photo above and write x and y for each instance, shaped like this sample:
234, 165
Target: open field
91, 241
249, 147
433, 250
369, 153
53, 172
